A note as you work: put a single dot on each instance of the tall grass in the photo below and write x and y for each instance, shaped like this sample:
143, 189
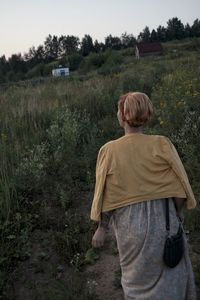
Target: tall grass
27, 113
50, 134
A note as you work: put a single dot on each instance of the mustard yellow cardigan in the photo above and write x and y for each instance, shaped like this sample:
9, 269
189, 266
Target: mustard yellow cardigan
135, 168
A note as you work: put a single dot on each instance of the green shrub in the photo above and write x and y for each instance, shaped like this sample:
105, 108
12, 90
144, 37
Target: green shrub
74, 61
177, 110
112, 64
95, 60
47, 71
177, 95
31, 173
37, 71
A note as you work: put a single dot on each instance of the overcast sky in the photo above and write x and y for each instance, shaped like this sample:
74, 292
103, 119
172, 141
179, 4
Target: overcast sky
26, 23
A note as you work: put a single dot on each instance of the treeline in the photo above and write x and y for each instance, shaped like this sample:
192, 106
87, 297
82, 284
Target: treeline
70, 50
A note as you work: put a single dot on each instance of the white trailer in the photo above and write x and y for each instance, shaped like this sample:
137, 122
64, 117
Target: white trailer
59, 72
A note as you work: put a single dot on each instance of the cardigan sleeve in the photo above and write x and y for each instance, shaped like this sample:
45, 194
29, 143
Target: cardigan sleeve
178, 168
101, 172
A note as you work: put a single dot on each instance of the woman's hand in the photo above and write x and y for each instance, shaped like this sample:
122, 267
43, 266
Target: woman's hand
99, 237
180, 204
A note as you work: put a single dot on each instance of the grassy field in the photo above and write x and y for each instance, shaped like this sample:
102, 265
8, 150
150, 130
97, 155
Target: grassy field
50, 135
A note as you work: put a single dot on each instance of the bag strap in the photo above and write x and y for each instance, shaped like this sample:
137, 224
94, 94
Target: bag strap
167, 214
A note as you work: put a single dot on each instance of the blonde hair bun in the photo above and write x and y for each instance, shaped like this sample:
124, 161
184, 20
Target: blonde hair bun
136, 108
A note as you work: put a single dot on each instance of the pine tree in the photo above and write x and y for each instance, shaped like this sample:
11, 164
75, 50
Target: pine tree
145, 35
87, 45
175, 29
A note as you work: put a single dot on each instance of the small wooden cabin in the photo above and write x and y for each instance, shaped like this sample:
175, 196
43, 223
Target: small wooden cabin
148, 49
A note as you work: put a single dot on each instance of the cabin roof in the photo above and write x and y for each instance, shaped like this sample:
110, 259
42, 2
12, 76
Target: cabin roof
149, 47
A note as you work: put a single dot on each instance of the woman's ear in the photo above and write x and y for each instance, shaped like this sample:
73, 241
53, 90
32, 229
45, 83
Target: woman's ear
121, 118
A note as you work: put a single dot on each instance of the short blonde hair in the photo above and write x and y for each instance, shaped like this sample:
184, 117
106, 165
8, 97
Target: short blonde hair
136, 108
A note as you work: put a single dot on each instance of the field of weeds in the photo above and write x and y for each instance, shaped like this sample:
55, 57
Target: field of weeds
49, 138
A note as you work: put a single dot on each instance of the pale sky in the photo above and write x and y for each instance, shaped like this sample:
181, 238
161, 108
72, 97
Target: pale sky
27, 23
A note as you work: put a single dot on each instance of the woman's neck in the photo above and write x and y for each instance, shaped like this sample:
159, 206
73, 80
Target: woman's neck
128, 129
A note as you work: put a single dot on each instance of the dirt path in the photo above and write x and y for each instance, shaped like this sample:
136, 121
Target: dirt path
104, 275
34, 278
46, 273
39, 275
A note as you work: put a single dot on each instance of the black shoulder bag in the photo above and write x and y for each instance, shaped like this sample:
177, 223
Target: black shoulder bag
174, 244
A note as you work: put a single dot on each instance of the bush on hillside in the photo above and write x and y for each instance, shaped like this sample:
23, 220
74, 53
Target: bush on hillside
37, 71
74, 61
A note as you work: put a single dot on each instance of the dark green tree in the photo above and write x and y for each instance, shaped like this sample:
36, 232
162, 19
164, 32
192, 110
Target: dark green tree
161, 34
17, 63
35, 56
98, 47
30, 55
52, 48
29, 58
87, 45
145, 35
175, 29
74, 61
154, 36
40, 55
113, 42
195, 29
128, 40
188, 31
4, 68
69, 44
17, 68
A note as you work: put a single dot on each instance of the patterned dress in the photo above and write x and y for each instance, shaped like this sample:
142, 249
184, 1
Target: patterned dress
140, 232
